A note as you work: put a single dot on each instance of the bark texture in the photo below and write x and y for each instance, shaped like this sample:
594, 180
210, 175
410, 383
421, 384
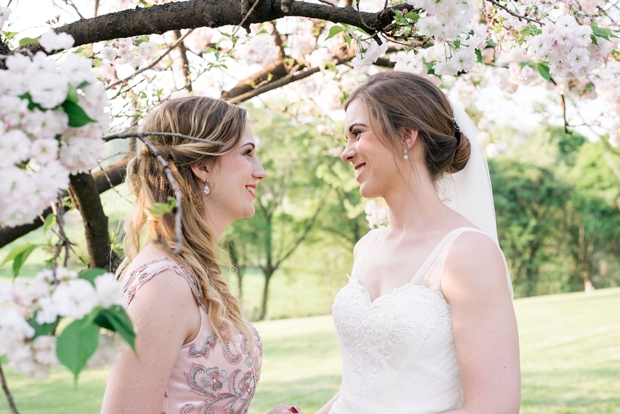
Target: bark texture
162, 18
84, 192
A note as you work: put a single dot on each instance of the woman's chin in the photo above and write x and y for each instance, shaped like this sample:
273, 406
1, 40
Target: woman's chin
367, 191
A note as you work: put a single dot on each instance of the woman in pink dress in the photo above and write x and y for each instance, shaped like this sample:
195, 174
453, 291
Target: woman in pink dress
195, 351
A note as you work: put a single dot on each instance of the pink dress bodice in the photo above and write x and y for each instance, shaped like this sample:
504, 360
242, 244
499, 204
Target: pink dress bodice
209, 376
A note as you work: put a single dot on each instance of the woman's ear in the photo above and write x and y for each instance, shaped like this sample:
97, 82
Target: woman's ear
410, 136
201, 171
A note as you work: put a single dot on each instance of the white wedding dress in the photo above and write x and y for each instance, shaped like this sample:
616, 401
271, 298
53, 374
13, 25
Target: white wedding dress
398, 353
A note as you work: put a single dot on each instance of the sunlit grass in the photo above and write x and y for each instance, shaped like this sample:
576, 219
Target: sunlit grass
570, 359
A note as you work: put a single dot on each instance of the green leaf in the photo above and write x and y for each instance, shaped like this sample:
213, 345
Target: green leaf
594, 41
430, 66
73, 96
27, 41
31, 103
91, 274
413, 16
83, 85
50, 220
76, 344
77, 116
331, 66
601, 32
159, 209
543, 69
9, 35
490, 42
347, 38
19, 255
478, 55
531, 30
334, 31
115, 319
45, 329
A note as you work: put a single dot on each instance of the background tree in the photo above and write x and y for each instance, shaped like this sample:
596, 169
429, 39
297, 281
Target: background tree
288, 203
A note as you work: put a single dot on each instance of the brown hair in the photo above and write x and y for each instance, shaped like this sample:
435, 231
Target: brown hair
404, 100
198, 117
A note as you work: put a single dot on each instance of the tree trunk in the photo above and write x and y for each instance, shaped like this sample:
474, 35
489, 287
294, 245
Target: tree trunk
86, 197
234, 260
268, 271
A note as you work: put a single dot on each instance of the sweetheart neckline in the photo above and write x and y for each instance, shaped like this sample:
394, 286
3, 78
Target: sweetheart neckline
395, 289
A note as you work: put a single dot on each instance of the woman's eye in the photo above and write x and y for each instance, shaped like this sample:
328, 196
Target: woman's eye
248, 153
356, 133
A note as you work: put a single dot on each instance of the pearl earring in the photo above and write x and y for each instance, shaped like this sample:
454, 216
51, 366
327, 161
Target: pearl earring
207, 189
405, 156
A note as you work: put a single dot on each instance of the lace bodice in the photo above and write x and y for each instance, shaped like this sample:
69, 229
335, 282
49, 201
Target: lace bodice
209, 376
398, 351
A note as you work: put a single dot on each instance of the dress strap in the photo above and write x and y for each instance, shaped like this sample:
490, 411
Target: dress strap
366, 244
432, 273
142, 274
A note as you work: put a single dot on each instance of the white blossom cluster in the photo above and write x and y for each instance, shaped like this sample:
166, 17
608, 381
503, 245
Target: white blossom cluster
44, 299
39, 148
260, 49
568, 48
128, 51
376, 215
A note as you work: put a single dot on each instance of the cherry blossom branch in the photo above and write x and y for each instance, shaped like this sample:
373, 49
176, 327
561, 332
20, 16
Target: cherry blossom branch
189, 14
155, 62
63, 240
110, 177
245, 14
272, 85
184, 60
5, 388
134, 134
518, 16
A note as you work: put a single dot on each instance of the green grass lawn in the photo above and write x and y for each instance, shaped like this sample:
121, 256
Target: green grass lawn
570, 358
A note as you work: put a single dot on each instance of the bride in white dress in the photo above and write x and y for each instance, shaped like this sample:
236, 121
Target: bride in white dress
426, 322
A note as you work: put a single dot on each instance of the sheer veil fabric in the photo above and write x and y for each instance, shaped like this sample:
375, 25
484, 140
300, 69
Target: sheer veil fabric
469, 191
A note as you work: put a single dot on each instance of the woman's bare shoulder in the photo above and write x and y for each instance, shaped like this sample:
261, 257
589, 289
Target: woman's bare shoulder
475, 264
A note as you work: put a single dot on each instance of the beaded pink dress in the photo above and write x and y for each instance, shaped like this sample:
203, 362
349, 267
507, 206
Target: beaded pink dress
209, 376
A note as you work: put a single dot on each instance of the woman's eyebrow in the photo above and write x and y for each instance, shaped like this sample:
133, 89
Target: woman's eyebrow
354, 125
249, 143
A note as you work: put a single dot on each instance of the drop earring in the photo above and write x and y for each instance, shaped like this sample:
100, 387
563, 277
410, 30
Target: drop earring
405, 156
207, 189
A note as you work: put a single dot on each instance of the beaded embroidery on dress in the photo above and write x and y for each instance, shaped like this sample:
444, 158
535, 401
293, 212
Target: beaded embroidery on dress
209, 376
398, 352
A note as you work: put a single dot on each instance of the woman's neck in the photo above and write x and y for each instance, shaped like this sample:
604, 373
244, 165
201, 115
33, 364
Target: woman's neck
415, 206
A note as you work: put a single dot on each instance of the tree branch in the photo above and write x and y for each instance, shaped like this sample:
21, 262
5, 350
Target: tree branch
5, 388
155, 62
273, 85
518, 16
84, 192
162, 18
184, 60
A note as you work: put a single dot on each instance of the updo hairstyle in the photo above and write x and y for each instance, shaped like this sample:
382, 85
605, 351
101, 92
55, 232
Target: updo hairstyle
404, 100
198, 117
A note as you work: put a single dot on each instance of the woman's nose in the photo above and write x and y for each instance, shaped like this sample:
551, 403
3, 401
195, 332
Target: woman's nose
348, 153
259, 172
